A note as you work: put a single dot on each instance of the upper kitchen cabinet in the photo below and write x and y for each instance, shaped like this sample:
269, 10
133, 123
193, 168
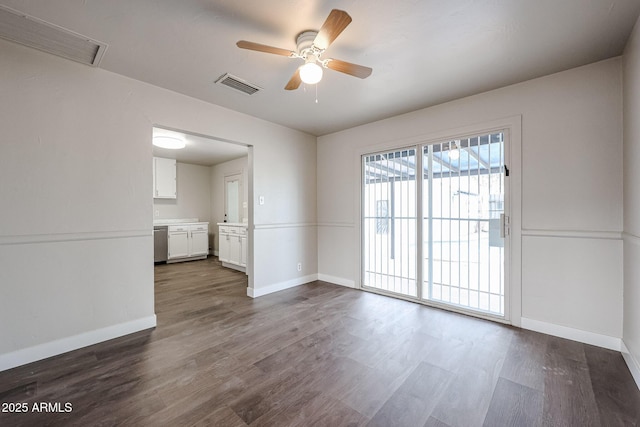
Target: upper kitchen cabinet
164, 178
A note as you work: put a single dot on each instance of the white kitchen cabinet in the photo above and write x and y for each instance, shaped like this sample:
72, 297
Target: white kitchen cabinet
243, 251
178, 242
235, 248
164, 178
188, 242
223, 245
232, 245
199, 240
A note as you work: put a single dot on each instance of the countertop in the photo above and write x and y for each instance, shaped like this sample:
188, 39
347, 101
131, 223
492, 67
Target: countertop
177, 221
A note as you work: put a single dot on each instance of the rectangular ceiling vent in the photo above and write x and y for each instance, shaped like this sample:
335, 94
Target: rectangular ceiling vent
238, 84
33, 32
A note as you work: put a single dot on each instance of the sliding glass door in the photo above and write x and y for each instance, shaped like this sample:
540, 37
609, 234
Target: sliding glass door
389, 222
455, 255
463, 194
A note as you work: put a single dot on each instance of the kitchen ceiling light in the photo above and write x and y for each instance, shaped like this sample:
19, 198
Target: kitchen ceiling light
170, 142
311, 73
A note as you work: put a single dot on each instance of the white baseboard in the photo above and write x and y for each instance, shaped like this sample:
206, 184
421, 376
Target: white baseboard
63, 345
579, 335
337, 280
632, 363
234, 267
255, 293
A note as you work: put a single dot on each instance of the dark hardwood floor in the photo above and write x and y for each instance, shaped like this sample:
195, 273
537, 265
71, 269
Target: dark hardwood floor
324, 355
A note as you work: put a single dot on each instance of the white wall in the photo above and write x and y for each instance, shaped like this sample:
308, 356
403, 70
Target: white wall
216, 178
193, 195
76, 220
571, 191
631, 334
285, 175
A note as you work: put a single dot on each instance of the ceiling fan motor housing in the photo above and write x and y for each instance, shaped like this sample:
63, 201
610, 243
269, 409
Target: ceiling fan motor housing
304, 43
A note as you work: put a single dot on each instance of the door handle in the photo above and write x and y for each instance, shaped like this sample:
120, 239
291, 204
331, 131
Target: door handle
504, 226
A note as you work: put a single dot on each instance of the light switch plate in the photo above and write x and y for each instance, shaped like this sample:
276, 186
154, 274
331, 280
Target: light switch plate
261, 200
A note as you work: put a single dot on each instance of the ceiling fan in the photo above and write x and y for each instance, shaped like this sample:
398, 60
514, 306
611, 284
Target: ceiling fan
310, 47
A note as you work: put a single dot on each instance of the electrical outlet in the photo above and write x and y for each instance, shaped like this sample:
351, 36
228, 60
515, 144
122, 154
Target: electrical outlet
157, 213
299, 266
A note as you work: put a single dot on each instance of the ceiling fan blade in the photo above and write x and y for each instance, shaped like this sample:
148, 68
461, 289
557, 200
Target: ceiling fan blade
294, 82
349, 68
336, 22
243, 44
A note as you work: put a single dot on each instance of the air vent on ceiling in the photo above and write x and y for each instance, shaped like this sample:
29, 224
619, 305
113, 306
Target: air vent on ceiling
238, 84
33, 32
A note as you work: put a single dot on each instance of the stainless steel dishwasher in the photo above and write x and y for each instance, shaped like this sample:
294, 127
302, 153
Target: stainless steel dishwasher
160, 244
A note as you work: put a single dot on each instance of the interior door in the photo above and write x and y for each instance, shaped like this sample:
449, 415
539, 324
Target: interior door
232, 189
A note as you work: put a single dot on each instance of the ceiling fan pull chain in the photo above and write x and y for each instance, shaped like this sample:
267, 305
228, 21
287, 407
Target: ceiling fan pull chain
316, 93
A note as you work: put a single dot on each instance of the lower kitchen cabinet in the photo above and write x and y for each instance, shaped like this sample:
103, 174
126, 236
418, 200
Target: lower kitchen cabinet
199, 240
188, 242
178, 242
232, 246
243, 251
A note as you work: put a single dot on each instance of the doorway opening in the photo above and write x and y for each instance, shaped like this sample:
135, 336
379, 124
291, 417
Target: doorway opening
202, 193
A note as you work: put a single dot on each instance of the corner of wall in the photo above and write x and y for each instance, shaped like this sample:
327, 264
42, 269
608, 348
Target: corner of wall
586, 337
258, 292
631, 185
632, 363
54, 348
337, 281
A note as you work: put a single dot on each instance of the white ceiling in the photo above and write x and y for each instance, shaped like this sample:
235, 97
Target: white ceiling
199, 150
423, 52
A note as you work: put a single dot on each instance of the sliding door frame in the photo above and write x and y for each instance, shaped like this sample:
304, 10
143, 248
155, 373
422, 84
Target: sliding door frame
512, 128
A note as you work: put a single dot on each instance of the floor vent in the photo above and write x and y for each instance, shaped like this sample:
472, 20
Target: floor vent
33, 32
238, 84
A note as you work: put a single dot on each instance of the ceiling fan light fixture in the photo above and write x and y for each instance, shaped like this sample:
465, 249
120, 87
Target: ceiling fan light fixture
310, 73
169, 142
